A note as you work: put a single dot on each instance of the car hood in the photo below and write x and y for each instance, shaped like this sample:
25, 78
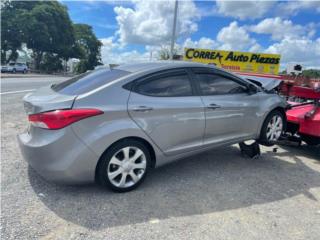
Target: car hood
267, 84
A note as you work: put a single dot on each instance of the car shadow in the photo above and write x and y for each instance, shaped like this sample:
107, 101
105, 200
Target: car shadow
214, 181
303, 150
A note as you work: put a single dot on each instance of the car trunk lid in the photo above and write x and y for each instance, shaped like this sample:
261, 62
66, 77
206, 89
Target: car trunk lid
45, 99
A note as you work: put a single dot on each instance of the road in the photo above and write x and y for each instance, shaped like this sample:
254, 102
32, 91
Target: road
12, 85
215, 195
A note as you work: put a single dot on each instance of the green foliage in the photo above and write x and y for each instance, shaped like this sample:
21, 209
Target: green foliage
89, 46
312, 73
46, 28
11, 32
51, 63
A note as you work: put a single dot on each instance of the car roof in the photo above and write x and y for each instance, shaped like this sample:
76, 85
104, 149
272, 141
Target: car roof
159, 65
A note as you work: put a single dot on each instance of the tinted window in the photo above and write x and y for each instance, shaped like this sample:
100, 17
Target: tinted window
211, 84
169, 86
88, 81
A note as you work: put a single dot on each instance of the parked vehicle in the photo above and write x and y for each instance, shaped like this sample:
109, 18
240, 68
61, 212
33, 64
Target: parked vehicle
303, 117
303, 98
113, 126
15, 67
304, 122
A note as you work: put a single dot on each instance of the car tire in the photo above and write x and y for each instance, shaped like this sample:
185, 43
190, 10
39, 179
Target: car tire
14, 70
272, 128
119, 170
24, 71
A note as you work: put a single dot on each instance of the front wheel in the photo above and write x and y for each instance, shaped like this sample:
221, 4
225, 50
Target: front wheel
272, 128
124, 166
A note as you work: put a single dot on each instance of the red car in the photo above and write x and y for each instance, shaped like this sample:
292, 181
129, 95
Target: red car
303, 119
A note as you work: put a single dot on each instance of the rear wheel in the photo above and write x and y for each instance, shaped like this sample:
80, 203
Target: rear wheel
124, 166
272, 128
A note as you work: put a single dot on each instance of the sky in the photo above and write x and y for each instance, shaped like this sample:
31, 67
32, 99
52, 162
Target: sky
136, 30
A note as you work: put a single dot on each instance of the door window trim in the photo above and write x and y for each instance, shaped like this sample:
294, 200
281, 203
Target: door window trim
195, 71
132, 86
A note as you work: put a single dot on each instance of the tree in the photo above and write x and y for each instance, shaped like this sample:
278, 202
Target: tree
51, 63
90, 47
312, 73
164, 53
12, 33
47, 30
45, 27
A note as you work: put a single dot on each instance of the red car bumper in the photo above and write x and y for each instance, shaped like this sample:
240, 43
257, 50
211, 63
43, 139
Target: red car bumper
307, 117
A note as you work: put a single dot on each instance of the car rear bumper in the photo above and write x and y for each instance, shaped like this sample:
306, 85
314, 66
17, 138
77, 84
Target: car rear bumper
58, 155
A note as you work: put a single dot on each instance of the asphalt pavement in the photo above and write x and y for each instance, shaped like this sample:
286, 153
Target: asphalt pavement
16, 85
215, 195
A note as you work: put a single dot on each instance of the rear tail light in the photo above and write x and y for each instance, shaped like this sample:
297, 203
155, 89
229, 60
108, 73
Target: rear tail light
61, 118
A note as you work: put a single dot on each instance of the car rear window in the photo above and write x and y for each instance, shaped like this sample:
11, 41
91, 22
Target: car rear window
88, 81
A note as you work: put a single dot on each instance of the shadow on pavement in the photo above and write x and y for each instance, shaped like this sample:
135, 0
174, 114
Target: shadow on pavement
210, 182
304, 150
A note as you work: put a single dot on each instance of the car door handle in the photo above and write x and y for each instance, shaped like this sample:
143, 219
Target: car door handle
142, 109
213, 106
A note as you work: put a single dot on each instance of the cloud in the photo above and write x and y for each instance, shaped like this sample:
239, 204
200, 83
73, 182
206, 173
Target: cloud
112, 52
231, 37
304, 51
244, 9
234, 37
279, 28
204, 42
106, 26
293, 7
150, 22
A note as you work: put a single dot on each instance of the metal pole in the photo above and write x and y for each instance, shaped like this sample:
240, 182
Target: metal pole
174, 29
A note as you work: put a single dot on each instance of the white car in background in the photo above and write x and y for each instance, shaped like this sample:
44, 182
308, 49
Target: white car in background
15, 67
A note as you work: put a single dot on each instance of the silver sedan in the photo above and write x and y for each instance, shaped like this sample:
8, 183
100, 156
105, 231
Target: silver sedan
113, 126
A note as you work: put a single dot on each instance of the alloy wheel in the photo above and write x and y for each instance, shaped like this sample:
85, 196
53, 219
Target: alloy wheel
274, 128
127, 167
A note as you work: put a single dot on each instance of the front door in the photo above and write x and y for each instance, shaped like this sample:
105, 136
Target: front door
230, 111
164, 107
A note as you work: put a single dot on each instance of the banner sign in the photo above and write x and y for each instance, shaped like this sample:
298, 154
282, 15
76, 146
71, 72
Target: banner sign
235, 61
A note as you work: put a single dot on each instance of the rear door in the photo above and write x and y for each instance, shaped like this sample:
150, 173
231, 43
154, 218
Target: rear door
164, 106
230, 111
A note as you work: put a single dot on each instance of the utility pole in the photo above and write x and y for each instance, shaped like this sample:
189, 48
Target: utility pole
173, 38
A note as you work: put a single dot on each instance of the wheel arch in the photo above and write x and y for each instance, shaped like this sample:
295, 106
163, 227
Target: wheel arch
142, 140
278, 109
283, 112
275, 108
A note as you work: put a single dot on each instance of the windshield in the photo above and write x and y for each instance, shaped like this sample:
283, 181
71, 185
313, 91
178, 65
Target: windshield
88, 81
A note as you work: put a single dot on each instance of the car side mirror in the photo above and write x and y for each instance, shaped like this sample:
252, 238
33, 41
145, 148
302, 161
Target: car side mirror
251, 89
